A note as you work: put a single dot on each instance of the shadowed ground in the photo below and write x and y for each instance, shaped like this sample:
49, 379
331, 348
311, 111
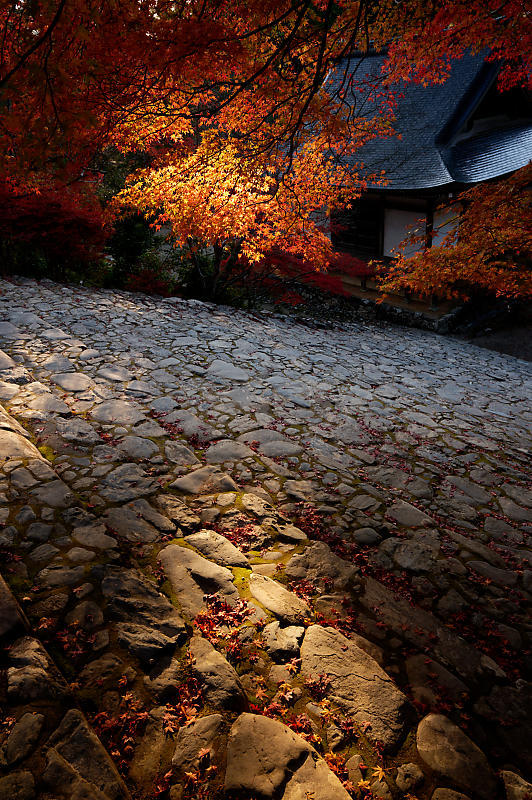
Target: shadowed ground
251, 557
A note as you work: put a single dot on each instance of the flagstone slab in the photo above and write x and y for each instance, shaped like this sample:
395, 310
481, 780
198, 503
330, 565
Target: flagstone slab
6, 362
114, 372
117, 412
205, 480
274, 597
225, 370
13, 446
217, 548
263, 756
192, 577
73, 381
358, 684
450, 753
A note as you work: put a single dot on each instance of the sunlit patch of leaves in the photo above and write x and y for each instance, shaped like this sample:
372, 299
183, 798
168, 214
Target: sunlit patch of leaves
304, 589
220, 624
337, 764
293, 666
106, 437
220, 619
243, 535
302, 725
274, 707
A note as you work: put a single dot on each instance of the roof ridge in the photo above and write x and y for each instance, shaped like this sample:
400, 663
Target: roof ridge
470, 101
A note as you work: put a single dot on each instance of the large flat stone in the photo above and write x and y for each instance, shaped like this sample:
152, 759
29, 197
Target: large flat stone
77, 430
54, 334
126, 482
216, 547
114, 372
14, 446
282, 643
280, 449
137, 447
23, 737
514, 511
127, 523
148, 644
318, 563
59, 575
262, 436
30, 674
408, 515
472, 490
143, 509
193, 576
191, 740
6, 362
204, 481
264, 756
515, 786
72, 381
226, 371
131, 597
117, 412
178, 512
191, 425
221, 684
284, 604
9, 331
93, 535
178, 454
358, 684
227, 450
8, 390
18, 785
54, 493
48, 403
152, 753
450, 753
75, 751
58, 364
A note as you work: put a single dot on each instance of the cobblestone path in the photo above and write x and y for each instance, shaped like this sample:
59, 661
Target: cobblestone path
248, 557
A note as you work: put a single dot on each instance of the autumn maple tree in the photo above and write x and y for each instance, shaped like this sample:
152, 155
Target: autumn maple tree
230, 101
489, 246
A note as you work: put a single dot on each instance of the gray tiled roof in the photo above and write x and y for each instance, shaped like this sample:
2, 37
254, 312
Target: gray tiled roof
426, 117
490, 154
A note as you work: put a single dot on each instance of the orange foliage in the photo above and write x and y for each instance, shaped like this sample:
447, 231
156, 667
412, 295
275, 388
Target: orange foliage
227, 96
214, 196
490, 248
426, 36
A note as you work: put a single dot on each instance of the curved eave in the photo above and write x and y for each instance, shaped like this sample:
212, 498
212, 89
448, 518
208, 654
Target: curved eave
489, 155
401, 186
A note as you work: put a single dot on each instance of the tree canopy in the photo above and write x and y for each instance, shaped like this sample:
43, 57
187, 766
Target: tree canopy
229, 98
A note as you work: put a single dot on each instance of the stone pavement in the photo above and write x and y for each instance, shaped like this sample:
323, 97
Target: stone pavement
248, 557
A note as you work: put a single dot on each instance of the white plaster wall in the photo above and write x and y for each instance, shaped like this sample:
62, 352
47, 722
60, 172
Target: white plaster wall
396, 223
